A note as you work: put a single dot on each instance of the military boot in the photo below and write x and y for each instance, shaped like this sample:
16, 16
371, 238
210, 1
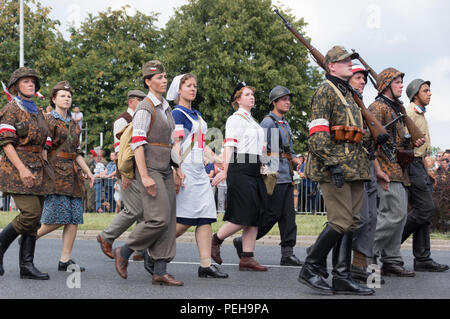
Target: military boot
343, 284
26, 258
313, 273
7, 236
422, 252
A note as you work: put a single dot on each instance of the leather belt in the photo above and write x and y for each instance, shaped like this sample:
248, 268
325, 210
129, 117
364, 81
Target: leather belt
284, 155
65, 155
161, 145
30, 148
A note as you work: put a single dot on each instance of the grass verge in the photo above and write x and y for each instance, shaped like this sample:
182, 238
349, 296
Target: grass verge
307, 225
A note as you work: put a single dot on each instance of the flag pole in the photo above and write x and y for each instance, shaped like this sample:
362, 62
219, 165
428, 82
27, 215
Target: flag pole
22, 58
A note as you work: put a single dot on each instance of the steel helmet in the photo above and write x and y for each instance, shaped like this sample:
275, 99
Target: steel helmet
414, 87
23, 73
386, 77
277, 92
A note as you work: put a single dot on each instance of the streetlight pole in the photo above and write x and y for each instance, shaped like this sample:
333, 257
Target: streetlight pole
22, 58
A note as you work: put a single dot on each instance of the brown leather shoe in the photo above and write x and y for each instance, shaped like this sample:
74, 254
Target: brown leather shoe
137, 257
166, 280
105, 246
215, 251
121, 263
396, 270
249, 263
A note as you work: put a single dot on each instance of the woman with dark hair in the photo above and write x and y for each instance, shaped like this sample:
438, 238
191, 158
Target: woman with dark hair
195, 201
64, 207
152, 143
246, 192
23, 135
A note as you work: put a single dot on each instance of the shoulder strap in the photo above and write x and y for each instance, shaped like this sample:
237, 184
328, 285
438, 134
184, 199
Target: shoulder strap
242, 117
152, 120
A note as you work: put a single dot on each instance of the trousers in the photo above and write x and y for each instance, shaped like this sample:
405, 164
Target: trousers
343, 204
158, 230
131, 213
280, 210
391, 218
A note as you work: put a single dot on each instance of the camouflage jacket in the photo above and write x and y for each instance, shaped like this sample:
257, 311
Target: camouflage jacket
328, 110
382, 111
68, 175
23, 129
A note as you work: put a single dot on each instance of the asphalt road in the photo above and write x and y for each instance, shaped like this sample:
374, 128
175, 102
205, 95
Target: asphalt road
100, 281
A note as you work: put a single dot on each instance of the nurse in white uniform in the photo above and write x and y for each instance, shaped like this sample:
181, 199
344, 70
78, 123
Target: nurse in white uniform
195, 201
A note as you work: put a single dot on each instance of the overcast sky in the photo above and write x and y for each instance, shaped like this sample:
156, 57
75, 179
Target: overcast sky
410, 35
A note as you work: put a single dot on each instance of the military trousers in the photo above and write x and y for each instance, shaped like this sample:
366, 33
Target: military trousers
364, 235
343, 204
158, 230
280, 210
132, 212
420, 193
391, 218
30, 208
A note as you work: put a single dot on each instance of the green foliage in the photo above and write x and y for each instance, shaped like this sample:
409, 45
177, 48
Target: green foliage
43, 42
107, 54
441, 198
223, 42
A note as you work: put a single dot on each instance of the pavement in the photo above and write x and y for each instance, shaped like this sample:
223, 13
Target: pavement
100, 281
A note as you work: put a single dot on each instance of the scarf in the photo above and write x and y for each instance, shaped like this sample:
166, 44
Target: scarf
29, 105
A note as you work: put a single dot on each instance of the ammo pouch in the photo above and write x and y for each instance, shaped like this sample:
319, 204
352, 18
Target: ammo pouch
270, 180
21, 129
345, 133
405, 157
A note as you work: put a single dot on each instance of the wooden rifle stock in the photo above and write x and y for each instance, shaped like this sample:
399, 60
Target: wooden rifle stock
412, 127
378, 132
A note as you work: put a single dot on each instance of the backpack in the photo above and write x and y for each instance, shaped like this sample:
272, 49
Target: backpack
125, 157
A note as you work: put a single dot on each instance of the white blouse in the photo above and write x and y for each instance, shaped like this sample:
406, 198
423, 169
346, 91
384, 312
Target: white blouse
244, 133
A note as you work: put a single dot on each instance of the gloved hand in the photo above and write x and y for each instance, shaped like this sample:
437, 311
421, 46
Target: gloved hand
337, 176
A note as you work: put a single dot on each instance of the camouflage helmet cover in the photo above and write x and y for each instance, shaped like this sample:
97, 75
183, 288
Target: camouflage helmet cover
386, 77
23, 73
338, 53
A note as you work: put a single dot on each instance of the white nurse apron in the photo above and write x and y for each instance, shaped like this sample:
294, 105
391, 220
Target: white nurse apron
196, 198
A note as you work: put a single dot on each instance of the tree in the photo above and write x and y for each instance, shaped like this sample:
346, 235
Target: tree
107, 53
43, 42
223, 42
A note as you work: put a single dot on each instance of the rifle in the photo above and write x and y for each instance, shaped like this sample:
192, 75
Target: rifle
412, 128
378, 132
391, 152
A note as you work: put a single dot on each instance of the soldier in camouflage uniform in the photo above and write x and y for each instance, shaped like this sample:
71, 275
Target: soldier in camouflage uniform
64, 207
340, 167
24, 170
392, 208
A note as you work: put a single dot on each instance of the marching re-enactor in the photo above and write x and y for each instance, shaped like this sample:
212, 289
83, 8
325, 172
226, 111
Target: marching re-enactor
337, 160
24, 170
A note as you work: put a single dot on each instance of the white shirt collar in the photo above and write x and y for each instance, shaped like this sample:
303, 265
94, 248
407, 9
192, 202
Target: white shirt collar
130, 111
157, 102
244, 112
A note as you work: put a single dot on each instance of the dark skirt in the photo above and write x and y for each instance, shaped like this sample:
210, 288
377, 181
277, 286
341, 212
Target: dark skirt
195, 221
246, 193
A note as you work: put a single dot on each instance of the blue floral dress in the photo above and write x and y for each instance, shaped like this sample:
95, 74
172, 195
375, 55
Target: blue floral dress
65, 206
